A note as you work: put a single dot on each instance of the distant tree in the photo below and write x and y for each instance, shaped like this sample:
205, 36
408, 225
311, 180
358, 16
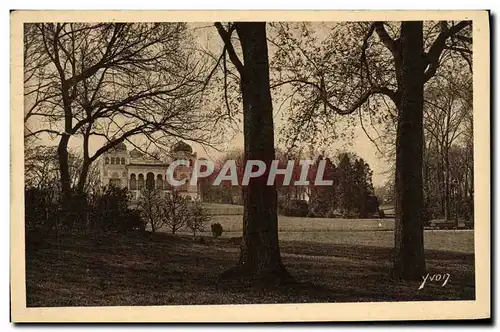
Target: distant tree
323, 198
152, 207
372, 206
386, 193
290, 191
226, 192
446, 111
176, 210
355, 192
462, 190
199, 218
345, 189
363, 187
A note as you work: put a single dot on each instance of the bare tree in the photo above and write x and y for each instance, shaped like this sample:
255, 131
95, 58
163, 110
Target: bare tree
41, 169
40, 166
445, 114
199, 219
176, 210
151, 205
108, 82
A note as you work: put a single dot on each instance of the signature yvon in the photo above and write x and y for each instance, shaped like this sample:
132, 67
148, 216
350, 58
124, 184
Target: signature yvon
438, 277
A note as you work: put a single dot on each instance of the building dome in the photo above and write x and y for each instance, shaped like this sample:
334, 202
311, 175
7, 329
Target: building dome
135, 153
121, 147
182, 147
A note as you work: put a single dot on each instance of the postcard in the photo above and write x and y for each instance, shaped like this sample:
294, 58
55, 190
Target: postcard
250, 166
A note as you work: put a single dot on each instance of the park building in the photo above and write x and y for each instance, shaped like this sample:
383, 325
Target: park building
135, 170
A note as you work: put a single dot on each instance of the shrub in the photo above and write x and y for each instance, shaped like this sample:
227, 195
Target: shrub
319, 206
110, 211
371, 207
216, 229
75, 212
296, 208
132, 220
281, 205
41, 209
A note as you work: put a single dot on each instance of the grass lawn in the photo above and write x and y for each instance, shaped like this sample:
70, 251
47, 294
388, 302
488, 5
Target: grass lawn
364, 232
160, 269
233, 223
454, 241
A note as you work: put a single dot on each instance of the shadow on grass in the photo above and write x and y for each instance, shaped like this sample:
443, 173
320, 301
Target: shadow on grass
161, 269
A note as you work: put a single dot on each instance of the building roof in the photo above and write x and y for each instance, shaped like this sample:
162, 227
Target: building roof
136, 153
148, 165
120, 147
182, 147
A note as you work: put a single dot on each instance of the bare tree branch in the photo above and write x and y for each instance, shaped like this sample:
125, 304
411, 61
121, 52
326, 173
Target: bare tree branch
226, 38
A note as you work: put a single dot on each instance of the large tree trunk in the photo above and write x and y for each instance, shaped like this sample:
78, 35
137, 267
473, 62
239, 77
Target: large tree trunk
260, 258
409, 261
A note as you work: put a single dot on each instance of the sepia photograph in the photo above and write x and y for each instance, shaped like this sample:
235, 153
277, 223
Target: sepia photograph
175, 165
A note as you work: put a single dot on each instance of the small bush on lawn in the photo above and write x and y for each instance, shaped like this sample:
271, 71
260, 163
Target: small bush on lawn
216, 229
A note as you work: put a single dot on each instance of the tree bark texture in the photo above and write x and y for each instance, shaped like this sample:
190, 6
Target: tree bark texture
409, 260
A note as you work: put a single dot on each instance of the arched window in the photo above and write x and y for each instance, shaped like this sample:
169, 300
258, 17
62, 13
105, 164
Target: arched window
112, 160
123, 161
132, 182
106, 160
159, 182
140, 181
115, 180
150, 181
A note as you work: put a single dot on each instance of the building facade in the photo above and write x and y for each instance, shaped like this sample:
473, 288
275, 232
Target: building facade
135, 171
